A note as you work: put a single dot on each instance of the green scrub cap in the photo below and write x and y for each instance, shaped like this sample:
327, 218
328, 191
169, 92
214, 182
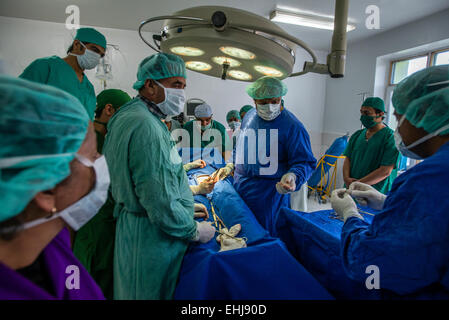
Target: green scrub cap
374, 102
41, 128
245, 109
232, 114
423, 98
159, 66
91, 35
115, 97
266, 88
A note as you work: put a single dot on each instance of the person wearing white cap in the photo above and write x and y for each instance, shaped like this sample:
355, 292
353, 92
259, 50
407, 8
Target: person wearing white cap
206, 126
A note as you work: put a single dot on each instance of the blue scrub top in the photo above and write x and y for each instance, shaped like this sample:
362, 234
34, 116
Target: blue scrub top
409, 239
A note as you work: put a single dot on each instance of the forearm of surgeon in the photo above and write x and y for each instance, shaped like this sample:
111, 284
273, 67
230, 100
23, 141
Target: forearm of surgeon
377, 175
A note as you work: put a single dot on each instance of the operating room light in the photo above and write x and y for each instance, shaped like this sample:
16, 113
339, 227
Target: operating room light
232, 62
238, 53
187, 51
240, 75
198, 65
268, 71
305, 20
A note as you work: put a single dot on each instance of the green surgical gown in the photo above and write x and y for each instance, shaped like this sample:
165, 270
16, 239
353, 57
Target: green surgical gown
368, 155
154, 204
56, 72
94, 242
224, 144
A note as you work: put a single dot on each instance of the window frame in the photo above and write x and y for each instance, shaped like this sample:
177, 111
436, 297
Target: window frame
434, 54
425, 54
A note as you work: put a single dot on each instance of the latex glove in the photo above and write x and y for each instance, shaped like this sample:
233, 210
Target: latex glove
343, 205
225, 171
204, 231
366, 195
287, 183
204, 187
200, 211
195, 164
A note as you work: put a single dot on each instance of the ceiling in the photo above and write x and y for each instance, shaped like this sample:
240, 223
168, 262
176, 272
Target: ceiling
128, 14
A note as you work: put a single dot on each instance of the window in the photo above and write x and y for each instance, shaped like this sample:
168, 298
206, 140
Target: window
441, 57
402, 69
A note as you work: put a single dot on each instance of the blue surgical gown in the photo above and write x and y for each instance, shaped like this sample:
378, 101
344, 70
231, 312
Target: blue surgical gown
293, 154
409, 239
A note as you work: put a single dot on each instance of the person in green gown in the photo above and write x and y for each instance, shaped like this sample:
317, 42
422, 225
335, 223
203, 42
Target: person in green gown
67, 73
371, 154
154, 205
94, 242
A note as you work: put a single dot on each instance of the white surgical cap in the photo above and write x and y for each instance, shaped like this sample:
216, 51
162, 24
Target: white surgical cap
203, 111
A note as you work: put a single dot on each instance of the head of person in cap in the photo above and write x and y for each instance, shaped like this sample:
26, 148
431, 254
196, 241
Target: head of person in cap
372, 112
50, 178
244, 110
233, 119
203, 114
108, 102
89, 46
267, 93
161, 79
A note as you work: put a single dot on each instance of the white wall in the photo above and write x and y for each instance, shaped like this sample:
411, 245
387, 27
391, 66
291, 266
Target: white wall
22, 41
342, 102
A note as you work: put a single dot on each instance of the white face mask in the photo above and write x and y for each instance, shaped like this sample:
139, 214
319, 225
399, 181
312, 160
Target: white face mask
269, 112
80, 212
174, 101
234, 125
88, 60
405, 150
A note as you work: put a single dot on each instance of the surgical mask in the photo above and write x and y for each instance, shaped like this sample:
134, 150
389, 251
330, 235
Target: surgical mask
80, 212
206, 126
88, 60
269, 112
405, 150
234, 125
368, 121
174, 101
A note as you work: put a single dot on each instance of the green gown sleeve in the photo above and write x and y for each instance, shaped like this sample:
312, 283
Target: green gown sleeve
161, 185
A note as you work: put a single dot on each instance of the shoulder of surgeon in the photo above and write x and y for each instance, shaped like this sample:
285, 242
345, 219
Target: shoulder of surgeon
218, 125
289, 117
132, 115
40, 65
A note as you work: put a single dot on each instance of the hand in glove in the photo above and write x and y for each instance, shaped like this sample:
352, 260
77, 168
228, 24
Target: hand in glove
367, 195
204, 187
287, 183
204, 231
195, 164
343, 205
200, 211
226, 171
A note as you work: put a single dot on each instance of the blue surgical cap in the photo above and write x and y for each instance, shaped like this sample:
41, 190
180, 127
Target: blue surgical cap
423, 98
203, 111
41, 128
159, 66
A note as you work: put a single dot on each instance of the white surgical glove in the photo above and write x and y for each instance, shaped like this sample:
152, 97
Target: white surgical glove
204, 187
367, 195
204, 231
195, 164
343, 205
225, 171
287, 183
200, 211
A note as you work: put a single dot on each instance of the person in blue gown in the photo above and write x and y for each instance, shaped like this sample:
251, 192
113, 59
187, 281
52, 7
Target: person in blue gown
273, 153
408, 240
